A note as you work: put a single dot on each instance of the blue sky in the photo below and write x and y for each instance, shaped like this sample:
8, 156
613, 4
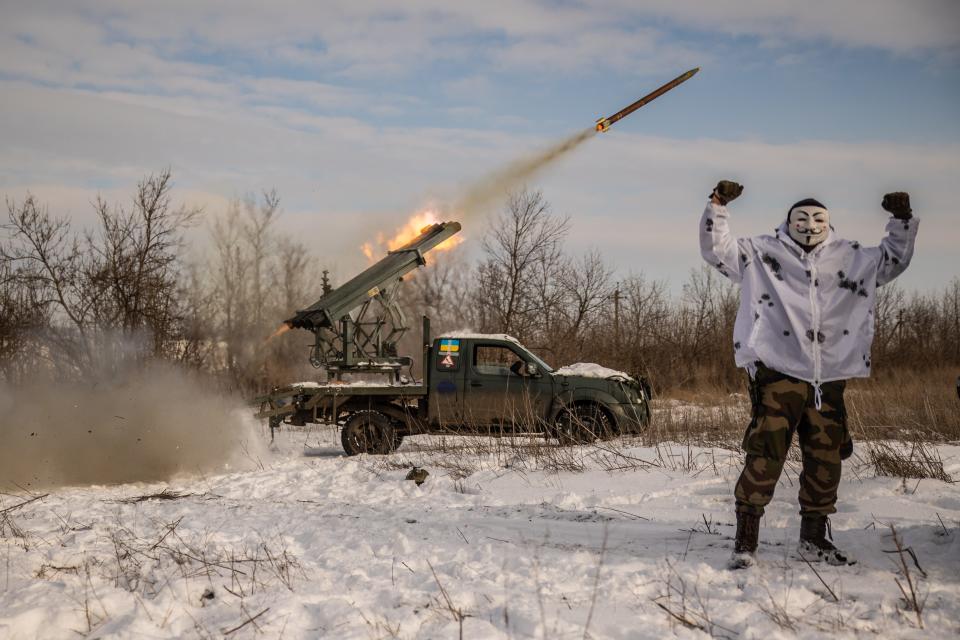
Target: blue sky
360, 113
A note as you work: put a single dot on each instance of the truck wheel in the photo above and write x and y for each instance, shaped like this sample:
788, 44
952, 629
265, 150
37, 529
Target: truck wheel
583, 424
368, 432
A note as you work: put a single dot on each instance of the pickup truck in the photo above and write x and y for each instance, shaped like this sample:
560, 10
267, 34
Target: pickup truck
486, 384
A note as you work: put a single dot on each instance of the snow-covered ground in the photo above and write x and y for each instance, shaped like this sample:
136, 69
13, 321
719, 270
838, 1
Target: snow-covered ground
628, 542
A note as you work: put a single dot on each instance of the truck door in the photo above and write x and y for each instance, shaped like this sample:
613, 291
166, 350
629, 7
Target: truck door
499, 392
447, 382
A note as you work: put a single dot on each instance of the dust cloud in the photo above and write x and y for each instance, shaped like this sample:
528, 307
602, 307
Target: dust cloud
151, 426
492, 188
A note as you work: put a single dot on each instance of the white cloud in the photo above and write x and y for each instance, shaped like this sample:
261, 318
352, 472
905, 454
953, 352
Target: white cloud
117, 44
894, 25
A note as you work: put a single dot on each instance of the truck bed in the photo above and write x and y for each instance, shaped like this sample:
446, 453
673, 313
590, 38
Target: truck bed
306, 395
348, 389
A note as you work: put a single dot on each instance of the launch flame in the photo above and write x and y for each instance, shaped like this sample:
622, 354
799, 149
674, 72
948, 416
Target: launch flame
410, 230
282, 329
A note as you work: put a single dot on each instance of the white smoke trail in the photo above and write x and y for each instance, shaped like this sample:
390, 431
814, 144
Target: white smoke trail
492, 188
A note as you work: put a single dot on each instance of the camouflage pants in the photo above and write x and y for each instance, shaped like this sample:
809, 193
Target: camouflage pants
781, 406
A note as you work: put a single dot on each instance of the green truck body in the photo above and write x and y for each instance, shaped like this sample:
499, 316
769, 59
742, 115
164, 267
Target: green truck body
472, 384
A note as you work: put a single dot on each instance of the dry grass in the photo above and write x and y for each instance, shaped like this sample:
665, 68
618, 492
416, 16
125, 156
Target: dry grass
915, 593
915, 459
716, 420
911, 406
907, 405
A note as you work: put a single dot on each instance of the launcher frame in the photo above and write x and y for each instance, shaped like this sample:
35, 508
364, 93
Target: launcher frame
358, 325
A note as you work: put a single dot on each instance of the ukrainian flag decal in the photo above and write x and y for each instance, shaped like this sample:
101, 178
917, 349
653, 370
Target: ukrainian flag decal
448, 345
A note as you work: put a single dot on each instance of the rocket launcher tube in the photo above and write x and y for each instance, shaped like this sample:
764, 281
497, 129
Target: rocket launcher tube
328, 310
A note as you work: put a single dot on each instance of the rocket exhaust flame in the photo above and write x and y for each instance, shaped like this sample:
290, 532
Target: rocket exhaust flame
410, 230
282, 329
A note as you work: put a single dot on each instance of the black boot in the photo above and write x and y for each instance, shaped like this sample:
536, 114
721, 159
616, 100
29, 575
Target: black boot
815, 542
745, 544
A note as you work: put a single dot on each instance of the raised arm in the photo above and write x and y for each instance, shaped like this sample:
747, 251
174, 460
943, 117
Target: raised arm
896, 248
717, 245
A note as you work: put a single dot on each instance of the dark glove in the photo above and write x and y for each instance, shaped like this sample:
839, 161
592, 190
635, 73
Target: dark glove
898, 203
726, 191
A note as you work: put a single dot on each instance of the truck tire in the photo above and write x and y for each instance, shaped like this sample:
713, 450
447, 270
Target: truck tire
368, 432
583, 424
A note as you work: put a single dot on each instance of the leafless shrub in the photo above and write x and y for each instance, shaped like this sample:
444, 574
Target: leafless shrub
776, 609
380, 625
688, 604
248, 620
142, 564
906, 460
164, 494
833, 594
9, 526
456, 612
914, 597
92, 617
708, 527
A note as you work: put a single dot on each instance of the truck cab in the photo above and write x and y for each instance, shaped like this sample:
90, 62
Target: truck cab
492, 383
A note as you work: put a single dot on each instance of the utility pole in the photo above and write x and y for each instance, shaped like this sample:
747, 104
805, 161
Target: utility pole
899, 328
616, 313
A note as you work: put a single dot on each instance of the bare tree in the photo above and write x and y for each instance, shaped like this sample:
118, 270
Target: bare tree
257, 221
21, 317
44, 257
259, 278
107, 297
588, 290
524, 258
135, 272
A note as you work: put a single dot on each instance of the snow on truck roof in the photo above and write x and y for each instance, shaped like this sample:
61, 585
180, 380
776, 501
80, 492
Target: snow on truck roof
467, 335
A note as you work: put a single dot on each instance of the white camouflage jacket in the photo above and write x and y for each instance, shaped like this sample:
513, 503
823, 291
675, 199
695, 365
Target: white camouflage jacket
808, 315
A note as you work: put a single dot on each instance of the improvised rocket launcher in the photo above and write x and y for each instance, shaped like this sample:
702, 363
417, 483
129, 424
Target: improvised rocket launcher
358, 325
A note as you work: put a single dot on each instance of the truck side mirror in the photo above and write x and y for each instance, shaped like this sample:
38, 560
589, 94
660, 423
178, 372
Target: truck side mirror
532, 370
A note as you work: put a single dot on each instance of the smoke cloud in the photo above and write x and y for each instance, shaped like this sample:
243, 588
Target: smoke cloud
492, 188
152, 426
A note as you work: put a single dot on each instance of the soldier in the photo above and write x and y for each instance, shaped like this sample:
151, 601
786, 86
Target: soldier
804, 326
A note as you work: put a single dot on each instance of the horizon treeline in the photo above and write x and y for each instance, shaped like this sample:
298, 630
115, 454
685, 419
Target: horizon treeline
90, 305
